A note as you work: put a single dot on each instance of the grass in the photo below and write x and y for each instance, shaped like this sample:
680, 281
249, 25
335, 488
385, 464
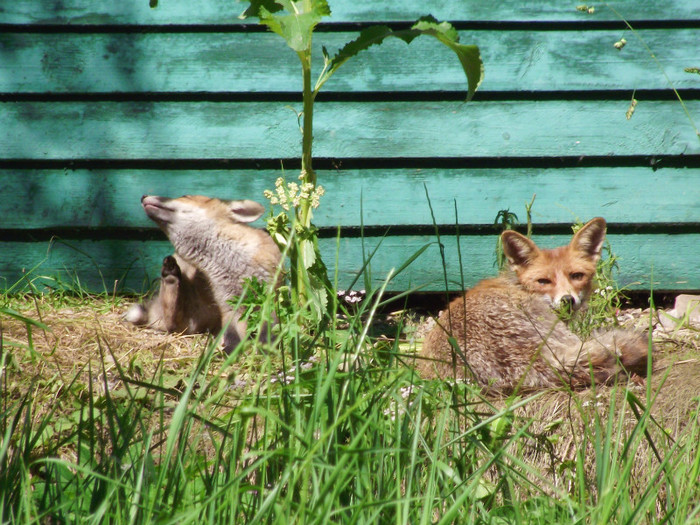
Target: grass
101, 422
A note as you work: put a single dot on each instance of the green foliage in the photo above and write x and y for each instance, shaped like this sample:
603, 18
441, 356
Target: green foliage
295, 22
505, 220
333, 427
468, 55
309, 275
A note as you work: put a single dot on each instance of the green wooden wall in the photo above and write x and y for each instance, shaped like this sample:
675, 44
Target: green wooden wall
105, 101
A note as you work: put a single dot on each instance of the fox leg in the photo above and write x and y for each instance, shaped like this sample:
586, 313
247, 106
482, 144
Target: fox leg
235, 331
605, 354
629, 348
170, 295
160, 312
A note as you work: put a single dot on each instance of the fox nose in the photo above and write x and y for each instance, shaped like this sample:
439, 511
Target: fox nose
569, 301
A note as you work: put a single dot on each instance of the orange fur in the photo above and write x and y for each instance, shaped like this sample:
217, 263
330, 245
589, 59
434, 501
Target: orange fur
504, 334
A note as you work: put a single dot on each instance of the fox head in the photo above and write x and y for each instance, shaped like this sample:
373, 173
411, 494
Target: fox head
562, 275
190, 211
213, 236
212, 233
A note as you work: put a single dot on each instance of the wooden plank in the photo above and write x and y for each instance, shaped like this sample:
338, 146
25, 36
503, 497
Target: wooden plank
135, 263
258, 130
79, 12
35, 199
225, 63
640, 258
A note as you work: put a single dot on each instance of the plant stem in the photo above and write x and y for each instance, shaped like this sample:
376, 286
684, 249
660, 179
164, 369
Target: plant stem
308, 175
307, 170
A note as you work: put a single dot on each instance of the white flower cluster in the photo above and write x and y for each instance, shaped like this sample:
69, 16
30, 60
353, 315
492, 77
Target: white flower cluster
604, 291
352, 296
293, 194
394, 408
594, 402
291, 377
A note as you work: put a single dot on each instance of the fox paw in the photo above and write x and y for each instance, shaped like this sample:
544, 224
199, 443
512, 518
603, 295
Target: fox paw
137, 315
170, 268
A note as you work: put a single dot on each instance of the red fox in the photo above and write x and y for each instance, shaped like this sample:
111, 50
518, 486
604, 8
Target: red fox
214, 252
504, 333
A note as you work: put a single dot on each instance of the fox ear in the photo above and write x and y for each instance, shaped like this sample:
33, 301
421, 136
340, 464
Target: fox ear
589, 239
518, 249
245, 210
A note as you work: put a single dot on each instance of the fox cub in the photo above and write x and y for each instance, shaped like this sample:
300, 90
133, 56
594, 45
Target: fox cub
215, 250
507, 334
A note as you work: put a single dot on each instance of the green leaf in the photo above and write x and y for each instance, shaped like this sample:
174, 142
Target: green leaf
271, 6
308, 253
373, 35
19, 317
469, 55
321, 7
289, 19
295, 29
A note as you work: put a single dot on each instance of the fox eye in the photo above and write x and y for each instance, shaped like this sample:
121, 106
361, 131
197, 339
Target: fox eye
544, 281
577, 276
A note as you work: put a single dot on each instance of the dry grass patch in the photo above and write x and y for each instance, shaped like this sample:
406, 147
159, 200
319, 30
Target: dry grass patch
578, 444
87, 340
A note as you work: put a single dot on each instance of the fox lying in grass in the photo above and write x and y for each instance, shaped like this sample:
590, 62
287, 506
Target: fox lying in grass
505, 333
214, 252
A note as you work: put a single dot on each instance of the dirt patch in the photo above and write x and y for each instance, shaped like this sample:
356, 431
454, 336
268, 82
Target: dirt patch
84, 344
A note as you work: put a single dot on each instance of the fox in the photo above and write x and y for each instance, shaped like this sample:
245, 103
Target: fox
215, 251
505, 333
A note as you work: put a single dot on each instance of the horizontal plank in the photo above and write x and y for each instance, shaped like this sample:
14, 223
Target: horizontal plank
36, 199
258, 130
662, 261
226, 12
132, 265
235, 62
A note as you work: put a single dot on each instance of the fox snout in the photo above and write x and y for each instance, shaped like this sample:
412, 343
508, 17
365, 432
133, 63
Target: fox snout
569, 301
156, 209
145, 199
